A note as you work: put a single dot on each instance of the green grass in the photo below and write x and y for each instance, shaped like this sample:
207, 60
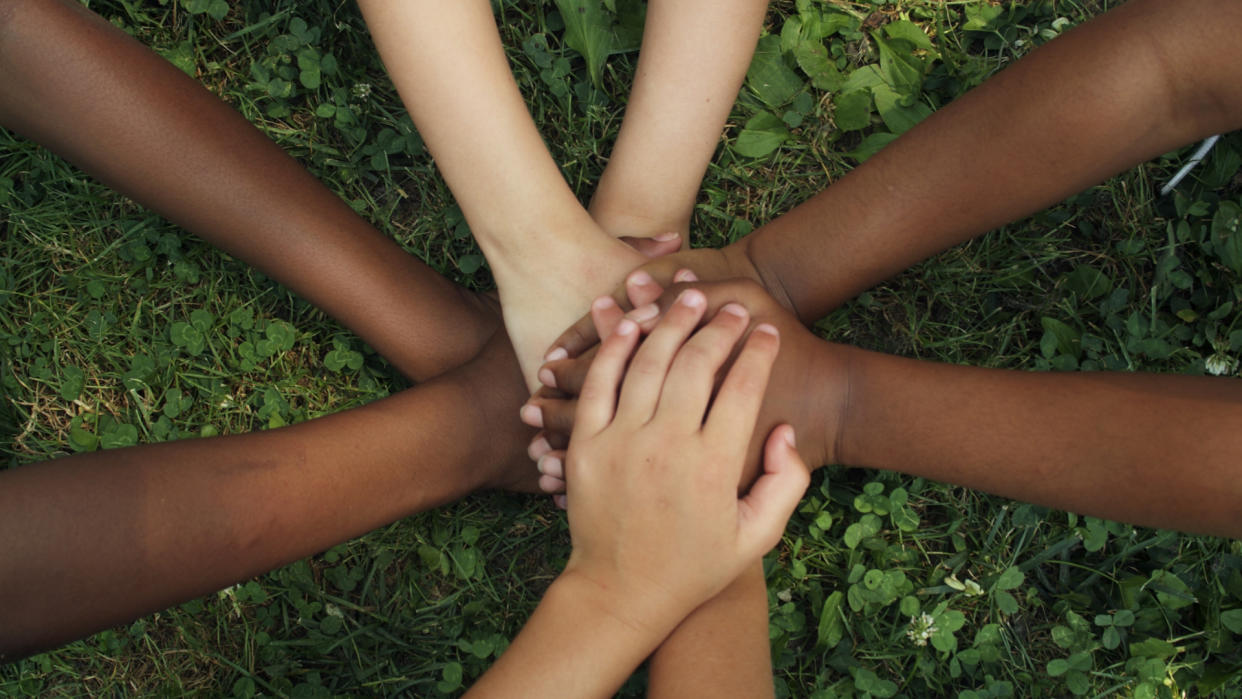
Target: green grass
118, 328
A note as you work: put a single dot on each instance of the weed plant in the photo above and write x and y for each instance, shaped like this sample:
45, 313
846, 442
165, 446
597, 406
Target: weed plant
117, 328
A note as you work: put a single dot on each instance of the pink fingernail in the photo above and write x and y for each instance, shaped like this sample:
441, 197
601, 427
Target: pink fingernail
639, 278
555, 354
692, 298
561, 501
531, 415
538, 447
547, 378
644, 313
685, 275
626, 327
767, 328
734, 309
789, 438
666, 237
552, 466
603, 303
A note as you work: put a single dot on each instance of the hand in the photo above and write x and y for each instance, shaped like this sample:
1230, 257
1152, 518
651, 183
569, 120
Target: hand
708, 264
654, 513
808, 389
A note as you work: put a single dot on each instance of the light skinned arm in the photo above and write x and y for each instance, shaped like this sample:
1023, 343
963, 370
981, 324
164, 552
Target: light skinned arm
88, 91
652, 542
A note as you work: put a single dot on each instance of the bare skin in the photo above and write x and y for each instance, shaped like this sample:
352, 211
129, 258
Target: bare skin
107, 536
550, 257
1141, 80
637, 569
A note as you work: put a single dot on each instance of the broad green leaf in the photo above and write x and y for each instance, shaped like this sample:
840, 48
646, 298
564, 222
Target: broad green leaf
588, 30
1010, 579
899, 67
831, 626
813, 59
1058, 667
863, 79
1066, 338
852, 110
769, 77
981, 16
72, 381
762, 134
871, 145
1088, 282
911, 32
1152, 648
898, 118
121, 435
1232, 620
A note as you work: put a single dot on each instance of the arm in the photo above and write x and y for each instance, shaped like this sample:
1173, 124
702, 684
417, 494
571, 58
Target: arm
1143, 79
629, 582
1149, 449
104, 537
90, 92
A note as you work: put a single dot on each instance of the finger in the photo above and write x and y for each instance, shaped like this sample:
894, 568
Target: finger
552, 472
641, 288
568, 375
765, 510
556, 415
644, 380
538, 447
598, 400
605, 314
551, 486
685, 275
657, 246
582, 335
732, 417
561, 501
692, 377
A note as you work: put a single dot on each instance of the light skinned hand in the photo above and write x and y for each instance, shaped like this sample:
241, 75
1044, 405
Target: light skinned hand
808, 387
654, 512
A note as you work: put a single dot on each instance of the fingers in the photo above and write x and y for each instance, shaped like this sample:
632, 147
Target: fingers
644, 380
641, 288
765, 510
692, 378
552, 472
732, 418
598, 400
605, 314
658, 246
554, 415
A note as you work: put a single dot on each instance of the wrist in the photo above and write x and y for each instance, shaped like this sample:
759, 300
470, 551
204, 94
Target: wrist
745, 258
833, 374
640, 617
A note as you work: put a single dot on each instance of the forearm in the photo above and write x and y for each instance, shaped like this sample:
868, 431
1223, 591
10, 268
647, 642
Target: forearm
448, 64
576, 645
1155, 450
97, 539
721, 649
88, 91
1141, 80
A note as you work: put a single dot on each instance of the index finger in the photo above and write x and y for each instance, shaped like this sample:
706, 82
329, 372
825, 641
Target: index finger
736, 408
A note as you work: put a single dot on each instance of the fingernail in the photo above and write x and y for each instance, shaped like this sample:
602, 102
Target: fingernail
547, 378
538, 448
734, 309
639, 278
561, 501
552, 466
767, 328
555, 354
626, 326
685, 275
603, 303
692, 298
643, 314
789, 438
531, 415
666, 237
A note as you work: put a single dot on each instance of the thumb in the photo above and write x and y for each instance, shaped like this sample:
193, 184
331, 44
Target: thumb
658, 246
765, 510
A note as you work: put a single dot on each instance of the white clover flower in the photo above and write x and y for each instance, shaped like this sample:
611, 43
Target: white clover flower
1220, 364
921, 629
361, 90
